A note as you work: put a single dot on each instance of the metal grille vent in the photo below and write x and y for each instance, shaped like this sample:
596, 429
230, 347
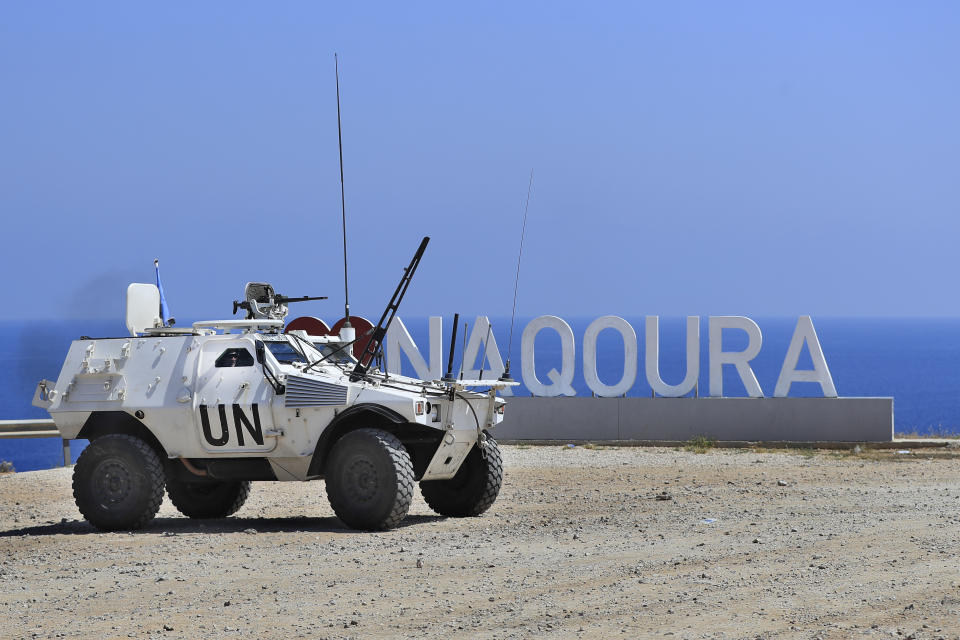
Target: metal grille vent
306, 392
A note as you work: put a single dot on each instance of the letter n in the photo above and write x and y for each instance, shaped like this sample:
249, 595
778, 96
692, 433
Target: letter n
254, 429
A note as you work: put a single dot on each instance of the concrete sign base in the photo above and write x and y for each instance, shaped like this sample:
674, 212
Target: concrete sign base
678, 419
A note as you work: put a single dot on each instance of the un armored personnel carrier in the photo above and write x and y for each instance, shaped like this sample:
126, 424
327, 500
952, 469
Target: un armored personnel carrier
204, 411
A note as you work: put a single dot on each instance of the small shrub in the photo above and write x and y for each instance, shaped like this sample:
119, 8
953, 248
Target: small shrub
806, 452
699, 444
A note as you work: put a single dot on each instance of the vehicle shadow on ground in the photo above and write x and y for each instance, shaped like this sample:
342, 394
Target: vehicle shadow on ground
168, 527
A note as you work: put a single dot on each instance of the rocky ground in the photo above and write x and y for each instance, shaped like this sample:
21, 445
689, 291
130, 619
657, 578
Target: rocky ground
739, 544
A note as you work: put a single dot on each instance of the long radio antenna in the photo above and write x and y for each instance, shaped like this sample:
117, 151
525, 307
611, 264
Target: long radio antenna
516, 282
343, 200
463, 350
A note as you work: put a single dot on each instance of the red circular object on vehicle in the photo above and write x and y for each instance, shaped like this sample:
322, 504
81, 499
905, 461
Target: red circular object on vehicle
362, 326
313, 326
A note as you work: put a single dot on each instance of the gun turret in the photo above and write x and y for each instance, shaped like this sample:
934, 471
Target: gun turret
262, 302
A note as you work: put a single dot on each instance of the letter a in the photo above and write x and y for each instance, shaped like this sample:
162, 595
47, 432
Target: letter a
789, 372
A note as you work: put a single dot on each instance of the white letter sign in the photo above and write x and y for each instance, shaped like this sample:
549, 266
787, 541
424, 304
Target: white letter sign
399, 341
790, 374
653, 359
494, 364
739, 359
629, 356
482, 345
562, 381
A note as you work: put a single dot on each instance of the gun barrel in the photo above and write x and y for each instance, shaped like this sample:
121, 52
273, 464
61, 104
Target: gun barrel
286, 299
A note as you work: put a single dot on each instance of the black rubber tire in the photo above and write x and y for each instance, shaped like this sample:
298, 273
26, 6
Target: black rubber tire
118, 482
208, 499
370, 480
473, 490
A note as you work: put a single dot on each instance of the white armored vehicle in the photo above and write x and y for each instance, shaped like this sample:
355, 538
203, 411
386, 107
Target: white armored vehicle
205, 410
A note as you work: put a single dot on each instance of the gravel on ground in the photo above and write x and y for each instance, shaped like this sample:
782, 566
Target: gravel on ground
582, 543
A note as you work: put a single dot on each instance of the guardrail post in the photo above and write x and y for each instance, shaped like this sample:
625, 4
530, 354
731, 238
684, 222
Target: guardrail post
66, 453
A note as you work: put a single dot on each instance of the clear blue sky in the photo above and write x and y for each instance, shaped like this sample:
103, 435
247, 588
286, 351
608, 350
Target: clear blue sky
747, 158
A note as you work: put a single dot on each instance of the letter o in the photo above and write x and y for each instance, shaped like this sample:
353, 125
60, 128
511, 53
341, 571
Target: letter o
629, 356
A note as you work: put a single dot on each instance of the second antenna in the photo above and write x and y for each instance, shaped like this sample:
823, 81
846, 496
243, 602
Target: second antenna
343, 203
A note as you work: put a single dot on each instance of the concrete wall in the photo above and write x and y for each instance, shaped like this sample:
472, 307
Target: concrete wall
755, 419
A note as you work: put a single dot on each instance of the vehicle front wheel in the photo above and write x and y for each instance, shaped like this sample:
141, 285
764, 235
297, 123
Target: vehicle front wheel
208, 499
369, 479
473, 489
118, 482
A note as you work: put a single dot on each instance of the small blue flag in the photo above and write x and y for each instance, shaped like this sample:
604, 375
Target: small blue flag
164, 310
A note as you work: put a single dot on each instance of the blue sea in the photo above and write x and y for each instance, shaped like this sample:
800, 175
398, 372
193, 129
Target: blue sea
913, 360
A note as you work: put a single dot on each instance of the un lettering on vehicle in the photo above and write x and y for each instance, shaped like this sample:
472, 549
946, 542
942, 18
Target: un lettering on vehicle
232, 429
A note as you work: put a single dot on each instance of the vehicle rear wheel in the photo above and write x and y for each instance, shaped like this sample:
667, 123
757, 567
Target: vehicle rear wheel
208, 499
118, 482
370, 479
473, 490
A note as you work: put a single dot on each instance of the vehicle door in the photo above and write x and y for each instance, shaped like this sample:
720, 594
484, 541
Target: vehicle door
233, 412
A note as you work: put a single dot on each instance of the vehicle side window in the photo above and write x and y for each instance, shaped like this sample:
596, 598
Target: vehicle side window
236, 357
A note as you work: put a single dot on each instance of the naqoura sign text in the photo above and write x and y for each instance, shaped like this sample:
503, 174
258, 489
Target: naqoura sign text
560, 382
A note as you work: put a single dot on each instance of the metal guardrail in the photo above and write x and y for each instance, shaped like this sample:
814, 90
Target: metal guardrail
35, 429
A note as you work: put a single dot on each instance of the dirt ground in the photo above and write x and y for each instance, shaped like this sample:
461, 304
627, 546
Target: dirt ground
749, 544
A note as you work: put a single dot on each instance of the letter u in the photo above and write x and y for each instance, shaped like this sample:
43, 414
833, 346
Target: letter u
653, 359
205, 422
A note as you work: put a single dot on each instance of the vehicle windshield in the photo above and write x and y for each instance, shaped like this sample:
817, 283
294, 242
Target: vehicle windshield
287, 353
343, 356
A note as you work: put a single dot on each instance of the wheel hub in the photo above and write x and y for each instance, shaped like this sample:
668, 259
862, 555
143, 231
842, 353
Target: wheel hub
361, 478
114, 483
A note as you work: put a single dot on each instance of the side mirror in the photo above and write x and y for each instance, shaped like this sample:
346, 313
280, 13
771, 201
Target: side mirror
271, 377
